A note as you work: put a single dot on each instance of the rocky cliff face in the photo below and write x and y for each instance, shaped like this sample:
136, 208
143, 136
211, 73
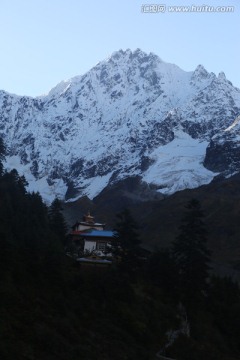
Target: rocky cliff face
223, 151
130, 115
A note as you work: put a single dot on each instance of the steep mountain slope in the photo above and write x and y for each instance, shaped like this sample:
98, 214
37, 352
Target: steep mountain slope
130, 115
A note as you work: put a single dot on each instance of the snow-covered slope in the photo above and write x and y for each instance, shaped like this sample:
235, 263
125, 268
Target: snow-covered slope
131, 114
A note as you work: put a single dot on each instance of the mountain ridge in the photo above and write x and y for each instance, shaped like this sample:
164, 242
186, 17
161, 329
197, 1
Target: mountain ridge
127, 116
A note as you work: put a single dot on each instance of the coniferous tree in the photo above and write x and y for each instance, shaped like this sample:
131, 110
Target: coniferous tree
2, 155
126, 240
57, 221
191, 254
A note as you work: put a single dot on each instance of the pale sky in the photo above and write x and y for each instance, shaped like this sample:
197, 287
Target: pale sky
46, 41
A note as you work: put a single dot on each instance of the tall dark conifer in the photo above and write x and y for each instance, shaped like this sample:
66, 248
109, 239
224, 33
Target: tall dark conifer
191, 254
2, 155
57, 221
126, 240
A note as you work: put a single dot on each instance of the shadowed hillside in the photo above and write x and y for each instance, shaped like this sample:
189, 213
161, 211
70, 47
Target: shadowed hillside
159, 217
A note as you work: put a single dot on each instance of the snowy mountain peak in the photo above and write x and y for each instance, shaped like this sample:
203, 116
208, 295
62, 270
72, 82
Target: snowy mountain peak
222, 76
129, 55
200, 73
132, 114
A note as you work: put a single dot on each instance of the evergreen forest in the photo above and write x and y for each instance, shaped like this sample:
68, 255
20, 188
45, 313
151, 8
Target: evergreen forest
165, 303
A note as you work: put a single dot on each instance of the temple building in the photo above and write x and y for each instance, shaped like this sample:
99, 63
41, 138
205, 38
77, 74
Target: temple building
87, 223
89, 237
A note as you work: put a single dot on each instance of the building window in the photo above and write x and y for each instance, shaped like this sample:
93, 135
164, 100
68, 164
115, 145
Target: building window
101, 246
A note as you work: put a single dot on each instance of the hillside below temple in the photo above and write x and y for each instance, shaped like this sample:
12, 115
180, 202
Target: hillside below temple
90, 238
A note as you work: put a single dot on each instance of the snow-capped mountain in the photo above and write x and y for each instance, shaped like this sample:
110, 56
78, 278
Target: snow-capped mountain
132, 114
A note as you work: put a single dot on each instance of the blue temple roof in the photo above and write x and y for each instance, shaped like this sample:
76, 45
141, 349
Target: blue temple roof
98, 233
